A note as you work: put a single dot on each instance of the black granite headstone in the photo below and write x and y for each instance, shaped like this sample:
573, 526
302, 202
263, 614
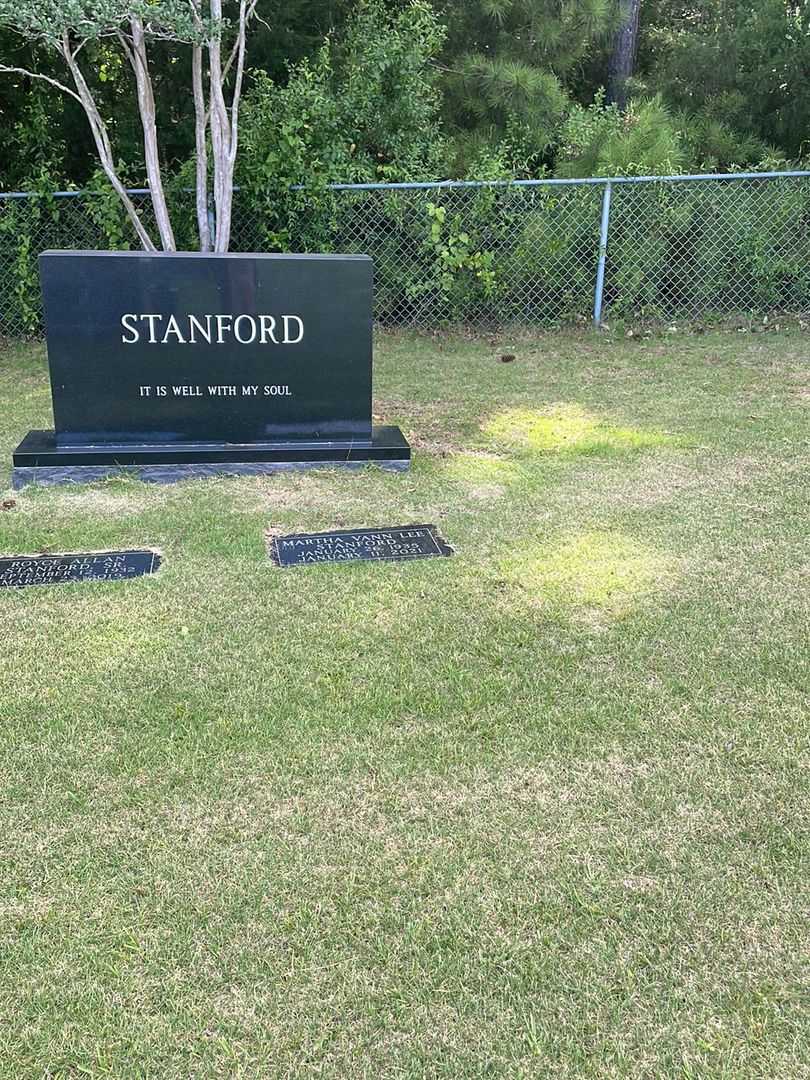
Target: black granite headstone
173, 364
353, 545
18, 571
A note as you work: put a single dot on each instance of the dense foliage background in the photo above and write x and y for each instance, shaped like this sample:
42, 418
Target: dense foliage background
398, 90
392, 90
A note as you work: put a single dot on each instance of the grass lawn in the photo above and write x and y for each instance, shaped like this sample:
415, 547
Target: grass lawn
537, 810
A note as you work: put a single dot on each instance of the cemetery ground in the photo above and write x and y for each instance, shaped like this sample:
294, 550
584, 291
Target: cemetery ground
536, 810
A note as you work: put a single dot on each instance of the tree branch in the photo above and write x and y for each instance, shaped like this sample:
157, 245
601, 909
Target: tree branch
220, 129
225, 127
102, 140
135, 50
201, 148
126, 45
235, 50
237, 86
200, 137
45, 78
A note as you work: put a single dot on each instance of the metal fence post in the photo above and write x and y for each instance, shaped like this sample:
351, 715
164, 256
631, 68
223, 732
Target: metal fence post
547, 287
600, 268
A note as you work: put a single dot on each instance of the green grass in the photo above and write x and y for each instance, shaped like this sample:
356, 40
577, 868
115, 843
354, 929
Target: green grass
538, 810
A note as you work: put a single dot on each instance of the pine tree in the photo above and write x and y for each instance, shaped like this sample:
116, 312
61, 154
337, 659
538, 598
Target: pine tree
510, 62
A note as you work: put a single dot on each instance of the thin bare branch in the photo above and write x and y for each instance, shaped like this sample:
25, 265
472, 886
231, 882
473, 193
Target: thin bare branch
237, 86
126, 45
235, 50
259, 19
45, 78
102, 140
224, 122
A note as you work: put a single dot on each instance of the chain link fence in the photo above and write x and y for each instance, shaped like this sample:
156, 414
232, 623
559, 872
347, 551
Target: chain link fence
512, 253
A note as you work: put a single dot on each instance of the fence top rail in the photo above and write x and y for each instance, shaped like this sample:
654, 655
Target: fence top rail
559, 182
61, 194
429, 185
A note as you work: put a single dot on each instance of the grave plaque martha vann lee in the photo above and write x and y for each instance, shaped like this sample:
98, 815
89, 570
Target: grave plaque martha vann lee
393, 544
169, 365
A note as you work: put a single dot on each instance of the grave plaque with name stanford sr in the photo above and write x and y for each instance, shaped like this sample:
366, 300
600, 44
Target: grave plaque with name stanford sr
20, 571
171, 365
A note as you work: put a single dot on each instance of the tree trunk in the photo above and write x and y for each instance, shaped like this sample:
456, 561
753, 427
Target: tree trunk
623, 56
102, 141
146, 108
224, 127
220, 127
201, 148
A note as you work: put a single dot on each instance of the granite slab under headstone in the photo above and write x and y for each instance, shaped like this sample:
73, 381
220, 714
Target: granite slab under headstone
166, 365
398, 543
19, 571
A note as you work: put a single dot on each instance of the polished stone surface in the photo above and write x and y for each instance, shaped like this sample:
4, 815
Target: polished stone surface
387, 544
184, 347
171, 474
38, 460
20, 571
166, 366
40, 448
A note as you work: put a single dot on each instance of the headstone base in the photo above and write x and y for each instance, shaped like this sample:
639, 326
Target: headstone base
38, 460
